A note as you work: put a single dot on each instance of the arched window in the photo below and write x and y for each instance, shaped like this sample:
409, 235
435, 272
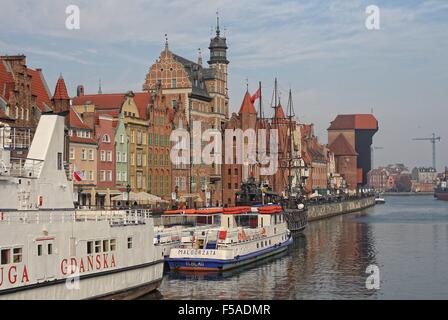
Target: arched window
106, 138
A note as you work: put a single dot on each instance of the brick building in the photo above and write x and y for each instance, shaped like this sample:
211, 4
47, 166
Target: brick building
24, 96
204, 95
356, 131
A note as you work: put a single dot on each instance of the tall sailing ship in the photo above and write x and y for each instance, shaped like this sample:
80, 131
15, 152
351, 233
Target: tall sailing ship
49, 250
292, 168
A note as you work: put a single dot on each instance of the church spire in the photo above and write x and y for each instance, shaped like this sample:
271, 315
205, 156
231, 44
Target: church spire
166, 42
217, 24
199, 57
100, 91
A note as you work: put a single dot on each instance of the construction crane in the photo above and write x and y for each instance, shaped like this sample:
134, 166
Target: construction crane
433, 140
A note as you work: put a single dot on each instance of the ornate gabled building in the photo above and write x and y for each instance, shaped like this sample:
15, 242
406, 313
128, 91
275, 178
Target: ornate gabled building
203, 93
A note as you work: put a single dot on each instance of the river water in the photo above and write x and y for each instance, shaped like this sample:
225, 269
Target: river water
406, 238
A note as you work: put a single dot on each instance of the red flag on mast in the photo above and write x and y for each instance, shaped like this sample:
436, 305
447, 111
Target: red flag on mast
255, 96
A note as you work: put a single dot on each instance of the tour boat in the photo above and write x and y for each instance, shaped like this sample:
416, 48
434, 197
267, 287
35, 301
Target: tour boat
48, 249
245, 235
380, 200
441, 190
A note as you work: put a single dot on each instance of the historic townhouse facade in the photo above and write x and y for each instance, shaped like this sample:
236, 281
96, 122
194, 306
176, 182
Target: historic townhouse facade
134, 109
204, 94
106, 159
83, 160
160, 127
121, 157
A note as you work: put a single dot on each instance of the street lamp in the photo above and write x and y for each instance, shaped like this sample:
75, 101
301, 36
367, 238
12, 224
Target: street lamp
128, 190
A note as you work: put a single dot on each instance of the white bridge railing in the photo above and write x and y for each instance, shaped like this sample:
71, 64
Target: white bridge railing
114, 217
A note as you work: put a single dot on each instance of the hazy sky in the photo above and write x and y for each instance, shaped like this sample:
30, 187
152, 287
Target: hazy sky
320, 49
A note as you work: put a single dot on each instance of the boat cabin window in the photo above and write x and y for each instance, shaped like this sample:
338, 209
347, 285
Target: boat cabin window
129, 242
89, 247
250, 221
17, 255
105, 245
39, 250
5, 256
97, 246
50, 248
113, 244
59, 160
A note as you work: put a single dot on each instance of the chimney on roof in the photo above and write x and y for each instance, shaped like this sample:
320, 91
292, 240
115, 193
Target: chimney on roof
80, 91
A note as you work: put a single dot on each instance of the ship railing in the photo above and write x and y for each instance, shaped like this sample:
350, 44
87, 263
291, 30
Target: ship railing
25, 167
115, 218
15, 138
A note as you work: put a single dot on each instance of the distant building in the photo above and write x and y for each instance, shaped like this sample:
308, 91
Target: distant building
424, 175
356, 131
378, 179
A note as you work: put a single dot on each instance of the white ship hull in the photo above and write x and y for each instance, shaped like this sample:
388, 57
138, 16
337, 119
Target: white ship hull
50, 251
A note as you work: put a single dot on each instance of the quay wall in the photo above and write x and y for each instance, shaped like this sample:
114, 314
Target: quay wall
408, 193
322, 211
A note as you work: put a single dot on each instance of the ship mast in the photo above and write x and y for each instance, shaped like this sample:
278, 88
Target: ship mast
290, 144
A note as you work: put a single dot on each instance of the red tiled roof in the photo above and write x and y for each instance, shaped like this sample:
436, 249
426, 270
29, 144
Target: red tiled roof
77, 139
76, 121
247, 106
60, 92
40, 90
108, 101
142, 99
111, 103
6, 82
341, 147
354, 121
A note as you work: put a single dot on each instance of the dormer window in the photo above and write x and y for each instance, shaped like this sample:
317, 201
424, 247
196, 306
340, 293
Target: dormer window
106, 138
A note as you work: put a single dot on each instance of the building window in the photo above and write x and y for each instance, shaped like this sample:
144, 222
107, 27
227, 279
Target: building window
39, 250
103, 155
59, 160
118, 156
109, 156
50, 249
105, 245
72, 153
103, 175
129, 242
83, 154
173, 83
184, 184
106, 138
139, 137
174, 104
124, 157
113, 244
109, 175
97, 246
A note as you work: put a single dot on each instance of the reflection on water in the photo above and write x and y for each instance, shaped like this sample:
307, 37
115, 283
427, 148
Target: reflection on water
407, 238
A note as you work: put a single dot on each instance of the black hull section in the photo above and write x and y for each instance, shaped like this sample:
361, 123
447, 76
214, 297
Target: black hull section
297, 219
